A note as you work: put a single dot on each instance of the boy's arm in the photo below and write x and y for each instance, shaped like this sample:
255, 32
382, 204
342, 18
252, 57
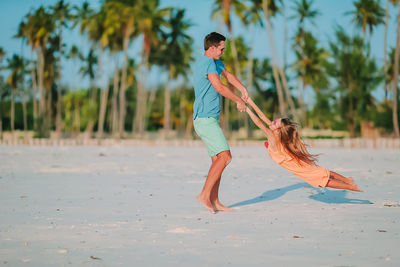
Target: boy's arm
259, 112
236, 83
226, 92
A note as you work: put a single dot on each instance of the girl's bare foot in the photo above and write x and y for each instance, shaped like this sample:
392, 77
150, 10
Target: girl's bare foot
354, 187
206, 203
350, 180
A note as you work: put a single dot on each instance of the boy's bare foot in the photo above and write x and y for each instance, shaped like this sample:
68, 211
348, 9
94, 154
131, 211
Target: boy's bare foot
219, 207
206, 203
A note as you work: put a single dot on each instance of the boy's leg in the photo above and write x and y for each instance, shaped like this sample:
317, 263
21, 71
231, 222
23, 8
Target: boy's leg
214, 175
214, 194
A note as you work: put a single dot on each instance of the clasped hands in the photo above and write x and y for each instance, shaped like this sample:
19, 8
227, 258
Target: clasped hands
241, 105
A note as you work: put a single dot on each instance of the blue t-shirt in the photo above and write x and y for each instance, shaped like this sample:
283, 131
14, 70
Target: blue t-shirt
207, 101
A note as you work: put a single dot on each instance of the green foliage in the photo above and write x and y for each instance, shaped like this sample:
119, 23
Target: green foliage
77, 110
357, 75
343, 79
382, 116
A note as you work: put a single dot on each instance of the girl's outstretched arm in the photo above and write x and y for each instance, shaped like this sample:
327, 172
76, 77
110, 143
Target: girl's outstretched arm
259, 123
259, 112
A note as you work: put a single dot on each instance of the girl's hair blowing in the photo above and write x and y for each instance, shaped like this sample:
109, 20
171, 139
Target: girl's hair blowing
292, 143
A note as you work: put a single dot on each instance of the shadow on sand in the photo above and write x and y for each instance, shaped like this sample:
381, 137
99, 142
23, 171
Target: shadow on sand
333, 196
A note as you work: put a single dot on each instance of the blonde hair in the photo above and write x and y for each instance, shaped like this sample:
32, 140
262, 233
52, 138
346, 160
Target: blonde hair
292, 143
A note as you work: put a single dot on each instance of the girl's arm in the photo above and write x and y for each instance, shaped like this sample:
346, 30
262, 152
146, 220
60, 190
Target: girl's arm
260, 124
259, 112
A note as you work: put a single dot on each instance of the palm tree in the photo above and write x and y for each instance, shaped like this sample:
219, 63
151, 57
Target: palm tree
242, 60
174, 52
74, 103
62, 15
15, 80
390, 74
357, 76
50, 75
2, 54
269, 9
265, 86
122, 15
37, 28
303, 13
222, 9
97, 32
367, 13
115, 47
81, 15
396, 76
310, 66
88, 69
385, 46
150, 20
22, 33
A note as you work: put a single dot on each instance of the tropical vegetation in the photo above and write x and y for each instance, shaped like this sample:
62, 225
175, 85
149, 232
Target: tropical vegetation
121, 102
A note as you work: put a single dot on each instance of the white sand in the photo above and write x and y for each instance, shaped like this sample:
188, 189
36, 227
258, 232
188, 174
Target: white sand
135, 206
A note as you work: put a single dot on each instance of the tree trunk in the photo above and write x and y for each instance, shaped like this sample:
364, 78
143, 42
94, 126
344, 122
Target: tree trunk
12, 110
167, 109
282, 109
189, 127
396, 77
59, 97
385, 49
93, 98
249, 132
301, 101
236, 66
1, 115
122, 98
42, 98
276, 69
351, 118
77, 117
150, 101
284, 38
268, 29
34, 84
114, 101
139, 124
25, 116
49, 113
288, 95
182, 113
103, 107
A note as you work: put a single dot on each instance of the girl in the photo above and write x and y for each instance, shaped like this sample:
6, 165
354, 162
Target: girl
286, 148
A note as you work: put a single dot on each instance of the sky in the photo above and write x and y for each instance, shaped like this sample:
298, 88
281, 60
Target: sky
199, 14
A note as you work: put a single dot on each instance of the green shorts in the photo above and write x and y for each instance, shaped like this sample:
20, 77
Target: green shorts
211, 133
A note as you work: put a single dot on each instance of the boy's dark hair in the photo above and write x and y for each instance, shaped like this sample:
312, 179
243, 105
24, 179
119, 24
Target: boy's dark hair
213, 39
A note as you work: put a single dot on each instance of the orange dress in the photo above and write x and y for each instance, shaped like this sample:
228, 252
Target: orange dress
309, 173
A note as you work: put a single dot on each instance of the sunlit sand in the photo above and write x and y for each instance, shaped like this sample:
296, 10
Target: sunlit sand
136, 206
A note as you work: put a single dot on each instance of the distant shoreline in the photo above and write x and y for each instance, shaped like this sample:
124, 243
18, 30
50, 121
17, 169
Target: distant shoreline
380, 143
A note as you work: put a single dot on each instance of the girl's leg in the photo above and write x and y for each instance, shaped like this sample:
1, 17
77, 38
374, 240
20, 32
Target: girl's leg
340, 185
337, 176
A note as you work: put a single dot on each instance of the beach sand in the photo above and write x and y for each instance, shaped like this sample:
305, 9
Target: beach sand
135, 206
